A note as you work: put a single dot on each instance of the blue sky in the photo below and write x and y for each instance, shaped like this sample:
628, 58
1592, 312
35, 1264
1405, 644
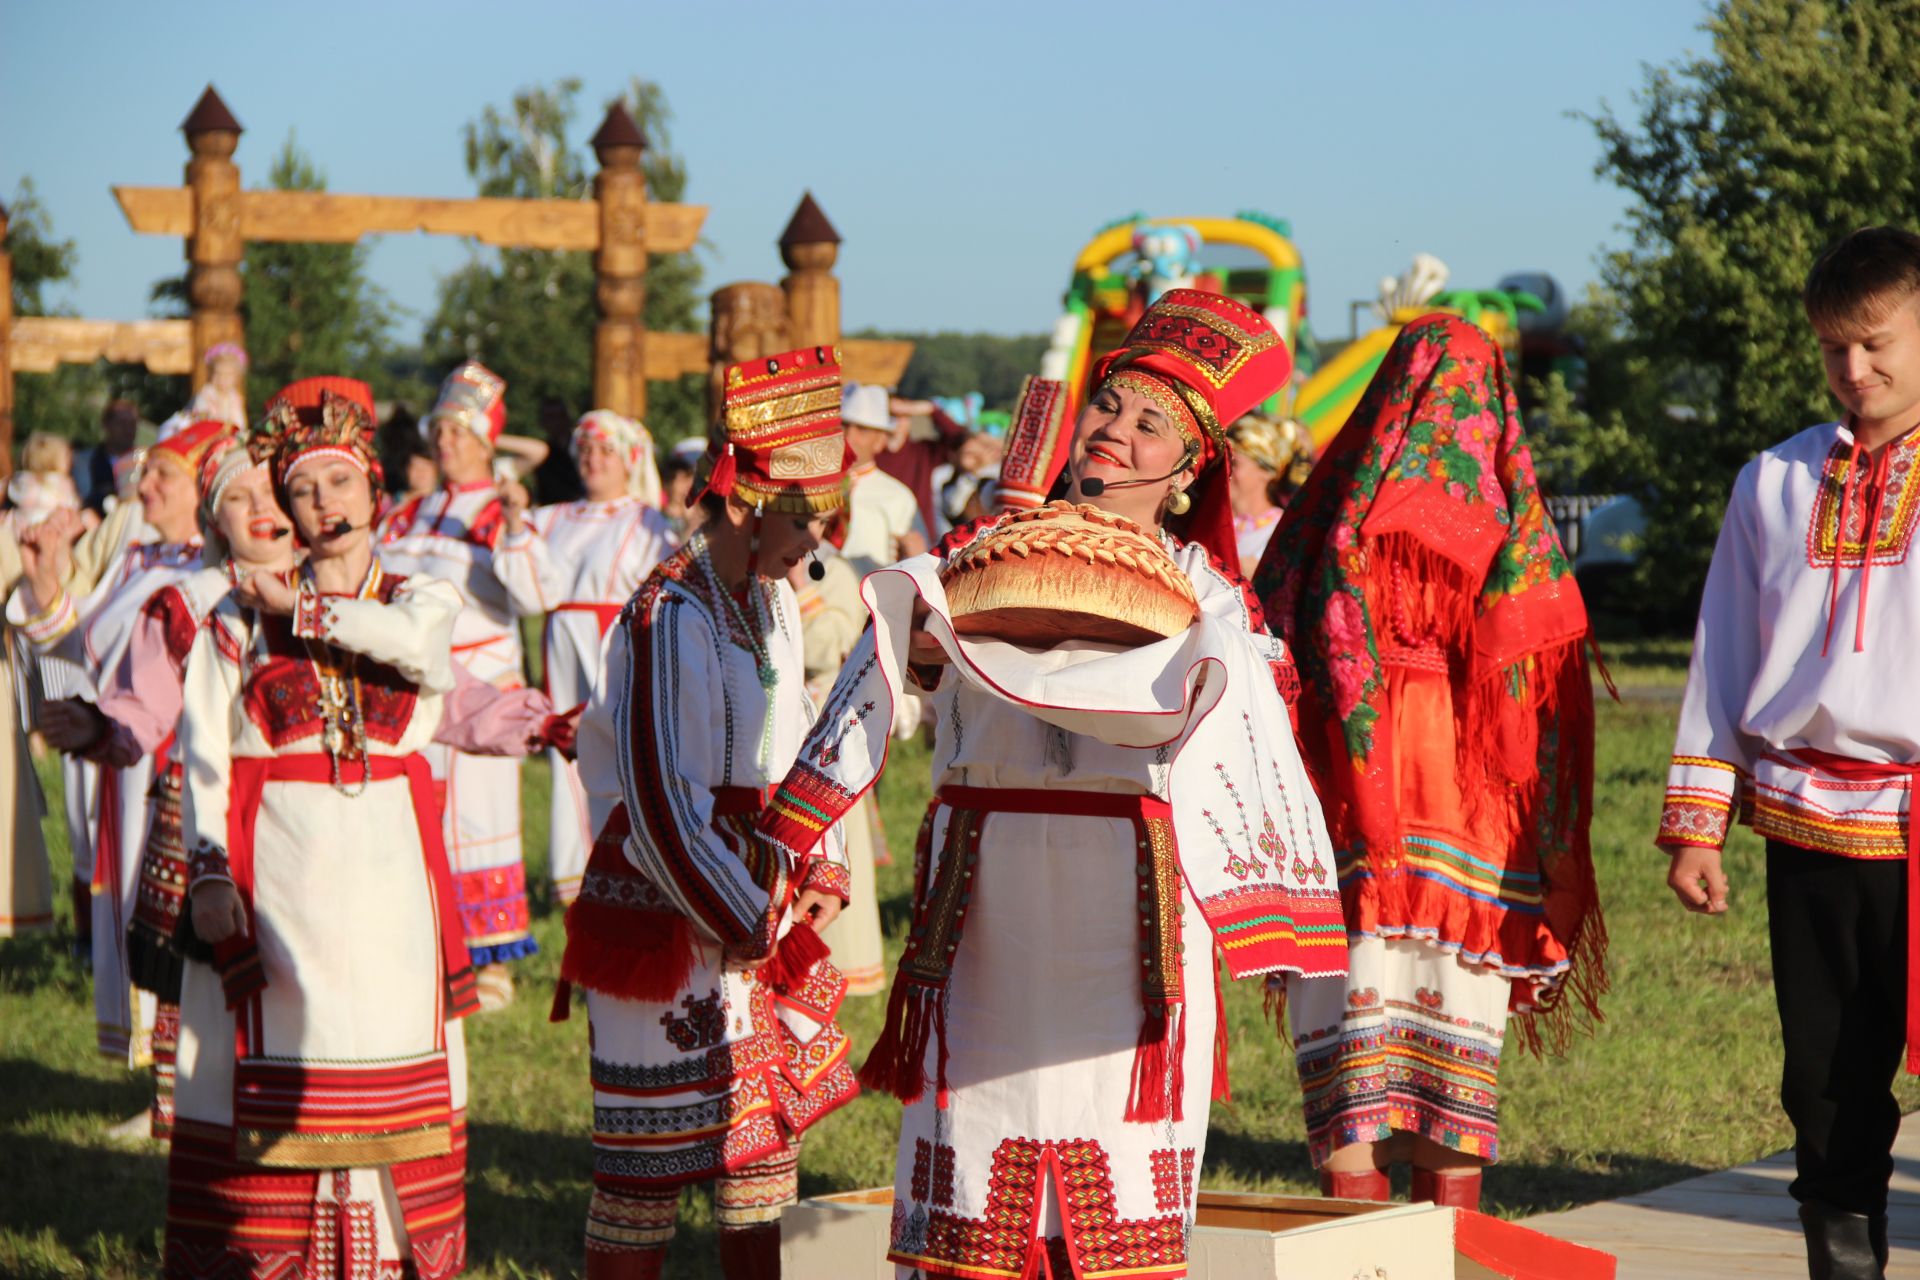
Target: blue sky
965, 152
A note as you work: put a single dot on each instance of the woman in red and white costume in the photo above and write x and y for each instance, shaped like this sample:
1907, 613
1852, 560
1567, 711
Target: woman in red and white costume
709, 1059
1107, 821
322, 1078
578, 563
454, 534
89, 623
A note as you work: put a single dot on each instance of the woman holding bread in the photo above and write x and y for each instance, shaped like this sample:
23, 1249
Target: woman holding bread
1117, 794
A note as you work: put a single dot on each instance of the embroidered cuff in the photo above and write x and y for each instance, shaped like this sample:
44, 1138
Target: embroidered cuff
52, 622
828, 877
1701, 793
806, 804
206, 864
516, 541
311, 620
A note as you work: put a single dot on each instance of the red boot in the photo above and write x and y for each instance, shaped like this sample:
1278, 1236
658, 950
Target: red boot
626, 1264
1452, 1190
1371, 1184
750, 1253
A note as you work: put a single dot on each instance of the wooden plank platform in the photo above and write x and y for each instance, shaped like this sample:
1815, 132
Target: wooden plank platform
1739, 1224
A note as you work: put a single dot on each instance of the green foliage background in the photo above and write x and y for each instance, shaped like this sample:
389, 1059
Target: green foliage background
1800, 124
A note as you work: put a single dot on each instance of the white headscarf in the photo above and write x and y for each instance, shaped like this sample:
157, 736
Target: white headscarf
632, 441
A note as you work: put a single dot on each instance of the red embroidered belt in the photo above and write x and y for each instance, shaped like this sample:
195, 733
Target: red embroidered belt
1851, 770
249, 778
916, 1011
1070, 804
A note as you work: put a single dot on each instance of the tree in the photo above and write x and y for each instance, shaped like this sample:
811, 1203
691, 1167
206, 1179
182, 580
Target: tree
67, 401
1798, 127
954, 364
308, 309
529, 314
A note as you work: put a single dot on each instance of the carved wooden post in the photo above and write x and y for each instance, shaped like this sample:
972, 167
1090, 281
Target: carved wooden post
216, 245
620, 267
810, 246
6, 351
745, 321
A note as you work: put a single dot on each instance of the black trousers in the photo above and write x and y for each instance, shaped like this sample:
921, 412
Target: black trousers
1839, 934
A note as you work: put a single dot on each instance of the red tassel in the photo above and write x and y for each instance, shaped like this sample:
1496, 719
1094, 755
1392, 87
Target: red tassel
1159, 1070
562, 1008
897, 1064
1222, 1088
607, 953
794, 958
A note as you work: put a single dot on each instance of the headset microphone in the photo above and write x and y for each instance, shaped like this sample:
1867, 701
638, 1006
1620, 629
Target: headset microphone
1093, 486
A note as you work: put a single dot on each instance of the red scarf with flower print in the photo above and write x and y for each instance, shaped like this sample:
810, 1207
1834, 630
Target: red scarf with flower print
1418, 578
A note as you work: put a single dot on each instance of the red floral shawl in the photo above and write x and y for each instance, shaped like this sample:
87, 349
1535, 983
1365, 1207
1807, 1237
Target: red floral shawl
1416, 576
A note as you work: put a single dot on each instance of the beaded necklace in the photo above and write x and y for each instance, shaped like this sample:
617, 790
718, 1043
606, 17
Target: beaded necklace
754, 628
344, 732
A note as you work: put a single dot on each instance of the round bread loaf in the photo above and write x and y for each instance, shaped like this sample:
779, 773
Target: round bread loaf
1067, 572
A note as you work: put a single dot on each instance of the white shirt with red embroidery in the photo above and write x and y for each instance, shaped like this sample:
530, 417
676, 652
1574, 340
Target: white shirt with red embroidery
1800, 652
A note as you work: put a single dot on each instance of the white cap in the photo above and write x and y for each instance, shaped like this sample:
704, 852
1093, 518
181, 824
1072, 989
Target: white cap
865, 405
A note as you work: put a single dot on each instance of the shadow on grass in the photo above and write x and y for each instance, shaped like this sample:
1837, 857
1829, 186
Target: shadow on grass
41, 962
105, 1205
29, 1088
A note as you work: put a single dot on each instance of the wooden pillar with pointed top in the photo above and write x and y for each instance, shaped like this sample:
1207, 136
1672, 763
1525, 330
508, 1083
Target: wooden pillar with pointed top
6, 351
216, 245
620, 267
810, 246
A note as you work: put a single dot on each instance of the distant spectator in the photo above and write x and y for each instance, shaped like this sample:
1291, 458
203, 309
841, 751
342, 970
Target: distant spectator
676, 485
43, 484
109, 462
924, 438
883, 522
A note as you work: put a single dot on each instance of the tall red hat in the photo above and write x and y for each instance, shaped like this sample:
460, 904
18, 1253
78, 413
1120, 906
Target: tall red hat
316, 418
1037, 446
186, 447
1204, 359
1217, 357
781, 444
473, 396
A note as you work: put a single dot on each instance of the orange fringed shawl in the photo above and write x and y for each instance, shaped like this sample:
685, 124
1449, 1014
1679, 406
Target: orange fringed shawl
1447, 713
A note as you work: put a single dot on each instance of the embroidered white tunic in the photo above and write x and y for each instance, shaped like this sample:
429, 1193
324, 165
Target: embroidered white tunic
577, 563
680, 741
1080, 791
1799, 624
91, 630
345, 1055
453, 535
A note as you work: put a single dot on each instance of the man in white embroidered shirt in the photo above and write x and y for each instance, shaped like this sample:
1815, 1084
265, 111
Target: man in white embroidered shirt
1801, 704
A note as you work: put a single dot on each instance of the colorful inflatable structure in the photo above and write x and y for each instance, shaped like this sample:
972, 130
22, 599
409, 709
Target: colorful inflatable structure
1251, 257
1134, 260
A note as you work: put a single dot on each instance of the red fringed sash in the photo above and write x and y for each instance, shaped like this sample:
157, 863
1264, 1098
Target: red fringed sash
916, 1014
625, 939
237, 958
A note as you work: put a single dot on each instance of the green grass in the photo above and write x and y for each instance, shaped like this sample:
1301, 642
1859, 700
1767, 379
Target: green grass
1680, 1080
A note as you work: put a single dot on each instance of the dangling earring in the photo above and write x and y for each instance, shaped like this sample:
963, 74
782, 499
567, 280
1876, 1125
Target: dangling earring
1178, 502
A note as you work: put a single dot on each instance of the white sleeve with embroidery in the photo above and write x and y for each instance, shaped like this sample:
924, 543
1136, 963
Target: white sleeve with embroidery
413, 634
1711, 756
209, 699
525, 566
670, 752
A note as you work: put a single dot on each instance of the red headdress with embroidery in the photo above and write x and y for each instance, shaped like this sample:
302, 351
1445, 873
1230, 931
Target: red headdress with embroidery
781, 445
186, 447
312, 420
1204, 359
473, 396
1037, 446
